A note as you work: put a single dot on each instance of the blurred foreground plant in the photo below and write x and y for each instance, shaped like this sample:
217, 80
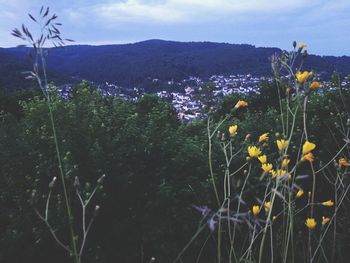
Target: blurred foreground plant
49, 33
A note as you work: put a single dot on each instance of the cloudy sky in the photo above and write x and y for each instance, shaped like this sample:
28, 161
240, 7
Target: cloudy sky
323, 25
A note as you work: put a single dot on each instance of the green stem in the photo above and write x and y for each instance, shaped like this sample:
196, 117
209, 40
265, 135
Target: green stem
211, 165
68, 207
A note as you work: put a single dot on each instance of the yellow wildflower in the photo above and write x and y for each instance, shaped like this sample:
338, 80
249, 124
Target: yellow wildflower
274, 218
264, 137
302, 45
274, 174
300, 193
279, 173
285, 162
325, 220
315, 85
343, 162
310, 223
256, 210
308, 147
254, 151
262, 158
282, 144
267, 206
301, 77
241, 103
328, 203
233, 129
267, 167
308, 157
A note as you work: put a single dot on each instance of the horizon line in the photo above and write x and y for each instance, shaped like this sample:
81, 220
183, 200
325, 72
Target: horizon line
130, 42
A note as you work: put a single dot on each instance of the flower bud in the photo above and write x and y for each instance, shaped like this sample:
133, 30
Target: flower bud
32, 196
76, 182
101, 179
223, 137
97, 209
52, 184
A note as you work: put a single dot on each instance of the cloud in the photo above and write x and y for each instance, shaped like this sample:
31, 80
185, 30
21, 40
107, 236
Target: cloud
133, 9
260, 22
183, 11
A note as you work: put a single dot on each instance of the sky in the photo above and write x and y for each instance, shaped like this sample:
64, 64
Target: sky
323, 25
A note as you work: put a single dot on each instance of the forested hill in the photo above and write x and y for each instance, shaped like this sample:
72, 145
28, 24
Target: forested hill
131, 64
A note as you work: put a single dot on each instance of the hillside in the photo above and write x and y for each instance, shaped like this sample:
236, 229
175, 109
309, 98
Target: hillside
131, 64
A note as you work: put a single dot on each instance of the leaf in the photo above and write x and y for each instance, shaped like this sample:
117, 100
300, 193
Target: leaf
17, 33
24, 29
30, 35
47, 12
56, 30
32, 17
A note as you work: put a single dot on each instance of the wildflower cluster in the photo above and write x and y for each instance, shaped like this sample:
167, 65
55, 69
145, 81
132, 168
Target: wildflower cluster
284, 164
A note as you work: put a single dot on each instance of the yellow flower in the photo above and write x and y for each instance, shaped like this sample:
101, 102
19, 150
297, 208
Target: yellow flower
274, 218
343, 162
308, 147
282, 144
310, 223
264, 137
302, 45
279, 173
328, 203
308, 157
300, 193
325, 220
315, 85
285, 162
267, 167
241, 103
262, 158
256, 210
301, 77
267, 206
232, 129
254, 151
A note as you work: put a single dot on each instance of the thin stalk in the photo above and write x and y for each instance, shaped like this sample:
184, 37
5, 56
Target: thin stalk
67, 203
211, 164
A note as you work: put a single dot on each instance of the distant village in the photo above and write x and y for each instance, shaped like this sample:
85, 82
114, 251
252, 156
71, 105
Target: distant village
191, 97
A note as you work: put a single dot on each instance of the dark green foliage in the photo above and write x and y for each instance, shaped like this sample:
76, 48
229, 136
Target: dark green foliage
156, 169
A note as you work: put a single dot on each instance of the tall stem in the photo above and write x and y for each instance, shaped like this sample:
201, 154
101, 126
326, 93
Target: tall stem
65, 193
